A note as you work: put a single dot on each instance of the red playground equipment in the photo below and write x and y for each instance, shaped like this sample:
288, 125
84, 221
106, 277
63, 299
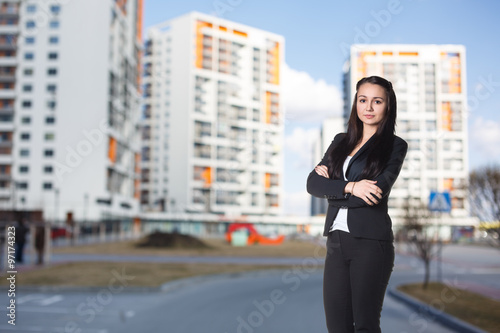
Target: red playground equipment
253, 236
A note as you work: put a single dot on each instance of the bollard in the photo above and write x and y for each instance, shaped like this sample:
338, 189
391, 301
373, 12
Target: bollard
102, 232
48, 244
31, 244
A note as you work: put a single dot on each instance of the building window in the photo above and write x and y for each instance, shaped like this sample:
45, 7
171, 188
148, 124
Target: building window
25, 136
24, 152
52, 88
26, 120
51, 104
30, 40
22, 185
28, 71
48, 153
27, 88
47, 186
49, 136
55, 9
31, 9
30, 24
6, 118
50, 120
29, 56
48, 169
53, 40
26, 104
24, 169
52, 71
4, 137
52, 55
54, 24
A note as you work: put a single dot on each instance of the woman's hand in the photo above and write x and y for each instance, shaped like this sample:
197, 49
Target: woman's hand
367, 190
322, 170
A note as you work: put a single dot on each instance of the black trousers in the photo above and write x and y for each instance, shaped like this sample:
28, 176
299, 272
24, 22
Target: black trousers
357, 271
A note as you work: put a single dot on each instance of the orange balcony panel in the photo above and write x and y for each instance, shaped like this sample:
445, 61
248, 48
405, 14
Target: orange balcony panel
387, 53
240, 33
448, 184
137, 162
112, 149
267, 180
139, 24
137, 188
207, 176
199, 42
276, 61
410, 54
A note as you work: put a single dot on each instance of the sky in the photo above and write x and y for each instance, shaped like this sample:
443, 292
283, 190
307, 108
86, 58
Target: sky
317, 34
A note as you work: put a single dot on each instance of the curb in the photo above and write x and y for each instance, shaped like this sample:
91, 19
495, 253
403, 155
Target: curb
434, 314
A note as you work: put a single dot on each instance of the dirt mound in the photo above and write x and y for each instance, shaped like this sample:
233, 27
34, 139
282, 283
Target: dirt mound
172, 240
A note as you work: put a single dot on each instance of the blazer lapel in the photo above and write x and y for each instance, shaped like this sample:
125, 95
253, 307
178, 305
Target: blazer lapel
359, 153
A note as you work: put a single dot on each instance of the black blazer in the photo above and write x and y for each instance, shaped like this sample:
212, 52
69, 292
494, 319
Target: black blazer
363, 220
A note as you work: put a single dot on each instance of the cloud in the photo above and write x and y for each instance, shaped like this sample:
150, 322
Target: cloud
307, 99
307, 103
299, 146
485, 138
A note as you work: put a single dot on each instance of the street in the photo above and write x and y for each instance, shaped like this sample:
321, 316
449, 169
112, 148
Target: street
266, 301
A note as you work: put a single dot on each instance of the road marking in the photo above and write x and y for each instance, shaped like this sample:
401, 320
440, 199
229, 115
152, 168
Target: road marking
27, 298
51, 300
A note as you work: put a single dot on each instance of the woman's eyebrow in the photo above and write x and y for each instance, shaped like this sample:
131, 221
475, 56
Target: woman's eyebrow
373, 97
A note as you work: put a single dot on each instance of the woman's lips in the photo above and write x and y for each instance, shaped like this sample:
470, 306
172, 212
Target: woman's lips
369, 116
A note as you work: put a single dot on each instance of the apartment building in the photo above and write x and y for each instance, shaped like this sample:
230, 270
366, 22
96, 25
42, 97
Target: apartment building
70, 107
329, 128
430, 83
212, 129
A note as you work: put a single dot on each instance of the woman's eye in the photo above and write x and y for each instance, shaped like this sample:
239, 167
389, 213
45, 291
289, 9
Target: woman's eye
361, 100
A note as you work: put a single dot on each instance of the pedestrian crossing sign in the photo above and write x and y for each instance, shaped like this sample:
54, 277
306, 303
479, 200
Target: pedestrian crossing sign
440, 202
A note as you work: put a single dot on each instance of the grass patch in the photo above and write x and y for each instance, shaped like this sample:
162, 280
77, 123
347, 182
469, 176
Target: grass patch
216, 247
147, 274
475, 309
97, 274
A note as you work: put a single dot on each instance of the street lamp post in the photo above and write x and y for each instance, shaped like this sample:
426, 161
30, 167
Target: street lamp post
85, 206
56, 205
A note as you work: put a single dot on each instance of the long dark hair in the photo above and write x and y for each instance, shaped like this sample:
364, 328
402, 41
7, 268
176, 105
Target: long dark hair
381, 142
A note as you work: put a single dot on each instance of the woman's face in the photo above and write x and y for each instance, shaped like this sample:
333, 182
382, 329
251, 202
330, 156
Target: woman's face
371, 104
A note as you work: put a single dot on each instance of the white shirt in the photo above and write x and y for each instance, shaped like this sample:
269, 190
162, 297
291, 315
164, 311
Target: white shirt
340, 222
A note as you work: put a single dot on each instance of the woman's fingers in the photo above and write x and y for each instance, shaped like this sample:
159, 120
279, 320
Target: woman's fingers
322, 170
368, 191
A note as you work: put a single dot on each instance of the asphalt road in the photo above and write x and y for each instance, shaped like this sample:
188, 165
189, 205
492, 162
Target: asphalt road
268, 301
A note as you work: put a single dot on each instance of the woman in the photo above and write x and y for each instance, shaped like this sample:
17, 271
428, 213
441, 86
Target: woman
355, 176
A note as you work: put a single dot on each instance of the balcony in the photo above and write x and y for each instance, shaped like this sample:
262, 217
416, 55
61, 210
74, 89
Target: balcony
6, 110
6, 46
9, 8
7, 77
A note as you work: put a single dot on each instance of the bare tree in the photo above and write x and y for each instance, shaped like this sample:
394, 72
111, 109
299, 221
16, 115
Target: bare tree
484, 194
417, 223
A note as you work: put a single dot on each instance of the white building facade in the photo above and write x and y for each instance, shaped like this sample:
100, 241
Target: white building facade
430, 84
329, 128
75, 102
212, 126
